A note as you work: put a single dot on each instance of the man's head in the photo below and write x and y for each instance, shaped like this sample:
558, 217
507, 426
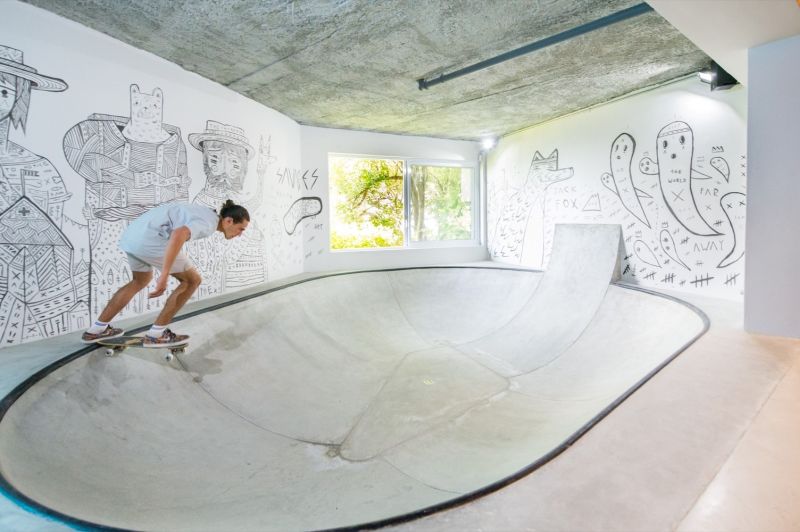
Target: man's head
233, 219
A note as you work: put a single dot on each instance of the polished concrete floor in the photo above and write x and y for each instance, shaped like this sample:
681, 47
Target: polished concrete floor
707, 444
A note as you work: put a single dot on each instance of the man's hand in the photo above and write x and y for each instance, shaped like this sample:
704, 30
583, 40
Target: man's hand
161, 286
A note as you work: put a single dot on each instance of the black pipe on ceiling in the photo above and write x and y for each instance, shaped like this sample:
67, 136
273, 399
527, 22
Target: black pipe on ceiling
638, 9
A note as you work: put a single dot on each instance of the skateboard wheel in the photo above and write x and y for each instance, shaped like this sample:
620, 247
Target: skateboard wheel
109, 352
169, 357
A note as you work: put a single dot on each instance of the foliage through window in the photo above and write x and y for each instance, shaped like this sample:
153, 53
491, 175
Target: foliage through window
368, 208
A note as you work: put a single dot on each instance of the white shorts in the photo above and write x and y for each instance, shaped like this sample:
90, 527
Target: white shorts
181, 264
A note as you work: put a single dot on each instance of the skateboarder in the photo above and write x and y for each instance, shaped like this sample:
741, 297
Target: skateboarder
155, 240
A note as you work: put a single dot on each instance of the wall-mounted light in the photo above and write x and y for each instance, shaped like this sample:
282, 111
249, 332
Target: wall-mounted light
717, 77
488, 143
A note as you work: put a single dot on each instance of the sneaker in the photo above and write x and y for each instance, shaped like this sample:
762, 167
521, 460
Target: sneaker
110, 332
167, 339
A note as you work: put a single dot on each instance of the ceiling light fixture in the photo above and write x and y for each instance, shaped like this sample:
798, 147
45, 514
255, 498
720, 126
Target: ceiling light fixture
717, 77
488, 143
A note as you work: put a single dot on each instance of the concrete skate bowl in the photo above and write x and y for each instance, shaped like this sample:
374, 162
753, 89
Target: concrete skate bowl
352, 400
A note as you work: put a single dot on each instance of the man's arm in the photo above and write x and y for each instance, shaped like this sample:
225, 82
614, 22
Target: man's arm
176, 241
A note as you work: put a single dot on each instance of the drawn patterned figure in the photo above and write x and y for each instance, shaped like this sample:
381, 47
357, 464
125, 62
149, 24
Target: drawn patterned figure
734, 205
721, 166
645, 254
130, 164
42, 291
239, 262
675, 149
620, 180
510, 232
670, 249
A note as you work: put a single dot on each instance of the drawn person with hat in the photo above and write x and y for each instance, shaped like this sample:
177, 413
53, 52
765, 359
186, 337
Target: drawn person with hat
23, 173
38, 303
226, 155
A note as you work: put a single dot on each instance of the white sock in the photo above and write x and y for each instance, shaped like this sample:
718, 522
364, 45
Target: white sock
98, 327
156, 330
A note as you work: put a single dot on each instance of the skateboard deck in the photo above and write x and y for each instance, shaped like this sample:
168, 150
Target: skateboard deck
120, 343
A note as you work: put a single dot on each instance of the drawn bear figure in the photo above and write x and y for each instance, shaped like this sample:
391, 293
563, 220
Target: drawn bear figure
147, 111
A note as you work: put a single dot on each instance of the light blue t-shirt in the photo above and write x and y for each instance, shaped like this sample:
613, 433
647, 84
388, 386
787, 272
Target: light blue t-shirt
147, 236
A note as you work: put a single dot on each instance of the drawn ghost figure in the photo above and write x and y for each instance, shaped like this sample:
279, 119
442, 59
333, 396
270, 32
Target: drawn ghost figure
675, 173
670, 249
645, 254
620, 181
721, 166
734, 205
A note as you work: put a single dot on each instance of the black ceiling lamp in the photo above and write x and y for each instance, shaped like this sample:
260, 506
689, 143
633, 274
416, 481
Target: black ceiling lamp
717, 77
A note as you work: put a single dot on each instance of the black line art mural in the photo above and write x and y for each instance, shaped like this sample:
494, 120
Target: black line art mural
734, 205
43, 292
592, 204
298, 178
301, 209
620, 180
675, 152
130, 165
239, 262
670, 249
645, 254
512, 225
721, 166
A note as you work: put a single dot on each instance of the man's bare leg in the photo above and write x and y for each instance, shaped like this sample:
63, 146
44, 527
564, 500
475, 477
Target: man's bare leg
189, 281
124, 295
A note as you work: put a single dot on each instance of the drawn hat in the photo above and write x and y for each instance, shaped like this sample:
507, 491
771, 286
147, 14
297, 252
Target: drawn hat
223, 133
11, 63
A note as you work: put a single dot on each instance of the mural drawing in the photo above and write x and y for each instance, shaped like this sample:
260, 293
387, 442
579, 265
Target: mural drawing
240, 262
515, 217
130, 164
43, 285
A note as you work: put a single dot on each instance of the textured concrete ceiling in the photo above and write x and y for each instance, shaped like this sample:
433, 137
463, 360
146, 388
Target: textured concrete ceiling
354, 63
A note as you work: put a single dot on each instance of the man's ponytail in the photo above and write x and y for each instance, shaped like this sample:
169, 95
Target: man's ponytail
236, 212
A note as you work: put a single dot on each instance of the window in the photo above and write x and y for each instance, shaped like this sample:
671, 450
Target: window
390, 203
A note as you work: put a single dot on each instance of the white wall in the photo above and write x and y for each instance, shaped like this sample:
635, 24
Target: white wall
317, 143
62, 156
772, 294
682, 218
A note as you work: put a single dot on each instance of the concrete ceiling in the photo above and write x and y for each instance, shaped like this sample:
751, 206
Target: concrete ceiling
353, 64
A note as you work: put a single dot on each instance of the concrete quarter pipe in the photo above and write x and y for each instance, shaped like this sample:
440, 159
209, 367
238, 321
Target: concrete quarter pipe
345, 400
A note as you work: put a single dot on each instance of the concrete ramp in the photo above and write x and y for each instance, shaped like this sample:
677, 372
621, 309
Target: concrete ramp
584, 261
343, 400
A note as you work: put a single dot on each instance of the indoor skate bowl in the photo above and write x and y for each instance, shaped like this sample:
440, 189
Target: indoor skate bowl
350, 400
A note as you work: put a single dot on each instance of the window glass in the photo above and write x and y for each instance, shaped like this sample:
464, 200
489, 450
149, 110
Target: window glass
441, 203
366, 202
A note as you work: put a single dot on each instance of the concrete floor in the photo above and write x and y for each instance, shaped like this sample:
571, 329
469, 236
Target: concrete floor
707, 444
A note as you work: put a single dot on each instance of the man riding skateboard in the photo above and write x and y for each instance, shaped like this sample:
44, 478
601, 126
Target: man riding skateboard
156, 239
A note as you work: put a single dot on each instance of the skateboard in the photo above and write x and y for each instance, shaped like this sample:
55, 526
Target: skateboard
121, 343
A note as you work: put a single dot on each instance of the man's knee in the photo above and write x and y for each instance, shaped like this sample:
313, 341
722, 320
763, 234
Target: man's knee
190, 279
141, 279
